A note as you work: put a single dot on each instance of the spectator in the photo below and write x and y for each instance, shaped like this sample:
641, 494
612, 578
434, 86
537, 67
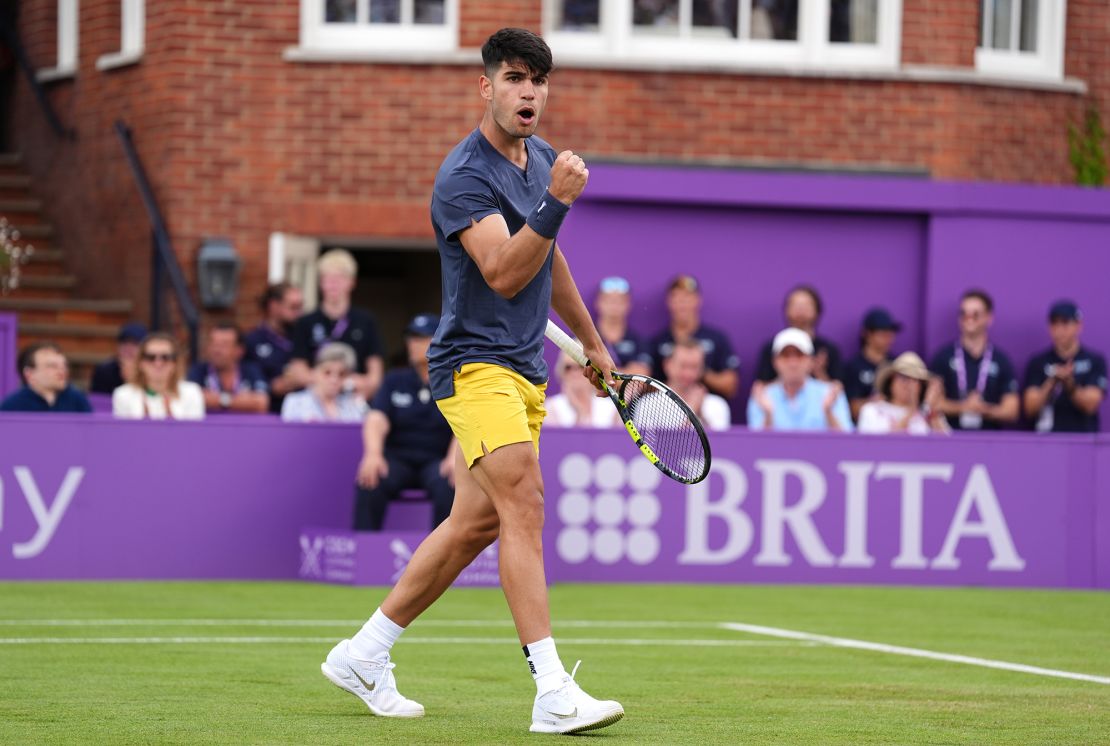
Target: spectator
796, 400
614, 300
269, 345
908, 398
577, 403
336, 320
684, 301
326, 400
111, 374
980, 390
230, 383
1065, 385
684, 369
802, 309
46, 388
876, 340
158, 391
407, 441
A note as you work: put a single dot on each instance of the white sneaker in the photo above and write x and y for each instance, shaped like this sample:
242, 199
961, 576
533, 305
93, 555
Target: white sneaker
370, 681
568, 709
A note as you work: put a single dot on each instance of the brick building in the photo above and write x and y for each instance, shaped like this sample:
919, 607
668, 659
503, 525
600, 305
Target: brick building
324, 120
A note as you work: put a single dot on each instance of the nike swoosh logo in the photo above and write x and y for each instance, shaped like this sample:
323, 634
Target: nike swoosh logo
573, 714
370, 686
542, 205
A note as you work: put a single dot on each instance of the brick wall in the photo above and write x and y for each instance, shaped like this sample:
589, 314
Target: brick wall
241, 143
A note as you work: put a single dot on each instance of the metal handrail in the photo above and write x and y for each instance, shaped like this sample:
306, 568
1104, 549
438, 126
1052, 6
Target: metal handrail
165, 260
10, 36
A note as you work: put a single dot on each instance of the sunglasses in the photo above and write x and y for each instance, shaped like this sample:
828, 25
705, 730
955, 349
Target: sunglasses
614, 285
164, 357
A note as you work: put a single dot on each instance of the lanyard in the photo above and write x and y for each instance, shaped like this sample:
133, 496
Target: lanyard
339, 328
283, 342
961, 370
212, 380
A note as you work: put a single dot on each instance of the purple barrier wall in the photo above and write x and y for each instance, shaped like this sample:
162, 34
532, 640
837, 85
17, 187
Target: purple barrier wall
9, 378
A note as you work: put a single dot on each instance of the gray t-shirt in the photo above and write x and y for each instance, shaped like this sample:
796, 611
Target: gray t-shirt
477, 324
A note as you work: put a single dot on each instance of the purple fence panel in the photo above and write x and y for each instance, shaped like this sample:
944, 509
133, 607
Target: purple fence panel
1101, 522
9, 377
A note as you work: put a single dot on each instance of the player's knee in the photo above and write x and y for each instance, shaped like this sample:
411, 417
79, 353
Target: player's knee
478, 536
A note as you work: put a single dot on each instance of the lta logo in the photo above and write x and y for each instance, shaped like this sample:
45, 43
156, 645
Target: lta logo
608, 509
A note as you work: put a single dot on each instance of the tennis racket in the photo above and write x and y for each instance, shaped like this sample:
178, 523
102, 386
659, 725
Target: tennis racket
662, 426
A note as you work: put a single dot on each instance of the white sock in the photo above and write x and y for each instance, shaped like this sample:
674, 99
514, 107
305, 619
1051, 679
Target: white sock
376, 637
543, 661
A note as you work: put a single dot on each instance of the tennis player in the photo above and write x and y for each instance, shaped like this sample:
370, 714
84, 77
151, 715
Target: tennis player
499, 199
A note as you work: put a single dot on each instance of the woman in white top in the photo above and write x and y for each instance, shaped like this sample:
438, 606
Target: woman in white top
902, 385
328, 397
577, 403
159, 392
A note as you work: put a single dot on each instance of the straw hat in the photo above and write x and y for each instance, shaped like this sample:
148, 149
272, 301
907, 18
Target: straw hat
907, 364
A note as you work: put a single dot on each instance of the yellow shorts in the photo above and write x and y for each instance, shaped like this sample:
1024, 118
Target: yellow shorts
493, 406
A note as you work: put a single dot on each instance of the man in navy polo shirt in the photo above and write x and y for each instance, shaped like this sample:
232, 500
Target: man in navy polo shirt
230, 383
407, 441
613, 302
980, 390
1065, 385
269, 345
45, 376
876, 340
722, 366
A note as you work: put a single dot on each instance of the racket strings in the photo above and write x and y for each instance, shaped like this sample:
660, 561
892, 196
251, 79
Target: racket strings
666, 427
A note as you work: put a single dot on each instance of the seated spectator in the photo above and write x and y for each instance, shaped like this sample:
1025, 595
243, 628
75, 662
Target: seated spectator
722, 367
876, 340
325, 400
408, 443
802, 309
796, 400
614, 300
111, 374
46, 388
1065, 385
980, 390
684, 369
908, 397
159, 391
230, 383
577, 404
336, 320
269, 345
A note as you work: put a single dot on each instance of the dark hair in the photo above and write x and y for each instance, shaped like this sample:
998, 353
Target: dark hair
981, 295
808, 290
27, 356
884, 392
230, 326
274, 292
514, 45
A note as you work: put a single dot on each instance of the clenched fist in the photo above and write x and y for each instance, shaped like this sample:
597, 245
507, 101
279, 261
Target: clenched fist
568, 177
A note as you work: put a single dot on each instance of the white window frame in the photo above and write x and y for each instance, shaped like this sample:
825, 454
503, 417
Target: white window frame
1047, 63
132, 36
404, 39
615, 41
65, 65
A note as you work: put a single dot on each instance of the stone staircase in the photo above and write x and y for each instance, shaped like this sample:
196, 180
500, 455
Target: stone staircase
48, 302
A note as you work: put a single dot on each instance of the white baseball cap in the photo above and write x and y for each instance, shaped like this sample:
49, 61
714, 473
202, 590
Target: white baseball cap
792, 338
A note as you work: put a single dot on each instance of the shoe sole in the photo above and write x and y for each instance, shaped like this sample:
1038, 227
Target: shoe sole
333, 676
603, 722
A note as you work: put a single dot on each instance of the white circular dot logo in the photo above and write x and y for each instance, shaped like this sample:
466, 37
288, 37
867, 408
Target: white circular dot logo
576, 471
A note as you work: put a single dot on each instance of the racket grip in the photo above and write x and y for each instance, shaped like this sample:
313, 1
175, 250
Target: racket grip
565, 343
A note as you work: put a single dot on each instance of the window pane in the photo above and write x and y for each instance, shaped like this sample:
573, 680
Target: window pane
854, 21
1000, 24
655, 17
715, 18
385, 11
340, 11
1029, 25
571, 15
774, 19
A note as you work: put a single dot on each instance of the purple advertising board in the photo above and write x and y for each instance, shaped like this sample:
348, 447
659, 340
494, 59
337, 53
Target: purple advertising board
9, 378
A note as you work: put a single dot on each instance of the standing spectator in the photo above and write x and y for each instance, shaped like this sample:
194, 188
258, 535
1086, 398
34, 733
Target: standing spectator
722, 366
407, 441
684, 369
46, 388
614, 300
326, 400
111, 374
577, 403
802, 309
158, 391
230, 383
796, 400
876, 341
336, 320
1065, 385
908, 398
980, 390
269, 345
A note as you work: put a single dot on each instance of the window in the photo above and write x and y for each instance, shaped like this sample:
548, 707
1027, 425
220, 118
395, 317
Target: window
1022, 38
808, 33
66, 64
377, 25
132, 36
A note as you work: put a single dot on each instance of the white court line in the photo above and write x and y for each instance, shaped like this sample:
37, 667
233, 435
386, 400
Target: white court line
584, 623
844, 642
645, 642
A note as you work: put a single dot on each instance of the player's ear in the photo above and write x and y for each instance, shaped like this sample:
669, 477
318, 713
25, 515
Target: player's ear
485, 87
